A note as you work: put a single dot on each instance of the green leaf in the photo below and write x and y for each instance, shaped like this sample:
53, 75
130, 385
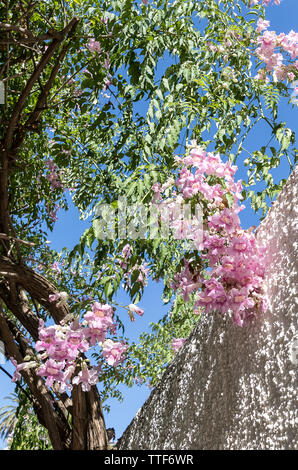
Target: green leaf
230, 199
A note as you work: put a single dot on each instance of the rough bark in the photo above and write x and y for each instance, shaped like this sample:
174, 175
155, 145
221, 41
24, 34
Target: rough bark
88, 424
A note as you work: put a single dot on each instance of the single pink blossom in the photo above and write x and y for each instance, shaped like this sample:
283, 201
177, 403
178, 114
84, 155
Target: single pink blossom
114, 352
134, 309
87, 378
94, 46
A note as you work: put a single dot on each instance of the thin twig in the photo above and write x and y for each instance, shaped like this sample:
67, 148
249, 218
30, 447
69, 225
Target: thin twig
17, 383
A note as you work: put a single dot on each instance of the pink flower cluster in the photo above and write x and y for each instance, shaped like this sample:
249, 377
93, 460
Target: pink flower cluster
230, 44
54, 176
61, 347
94, 46
143, 273
56, 271
98, 322
269, 42
125, 254
113, 352
265, 2
142, 268
262, 25
231, 276
53, 212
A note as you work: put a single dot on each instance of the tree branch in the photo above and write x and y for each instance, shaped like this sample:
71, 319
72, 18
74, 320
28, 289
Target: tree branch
20, 307
35, 75
8, 237
36, 284
41, 102
16, 28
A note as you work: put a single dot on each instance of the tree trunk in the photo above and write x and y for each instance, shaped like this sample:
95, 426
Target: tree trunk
88, 426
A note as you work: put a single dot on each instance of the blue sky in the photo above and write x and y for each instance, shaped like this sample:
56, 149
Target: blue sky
283, 18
